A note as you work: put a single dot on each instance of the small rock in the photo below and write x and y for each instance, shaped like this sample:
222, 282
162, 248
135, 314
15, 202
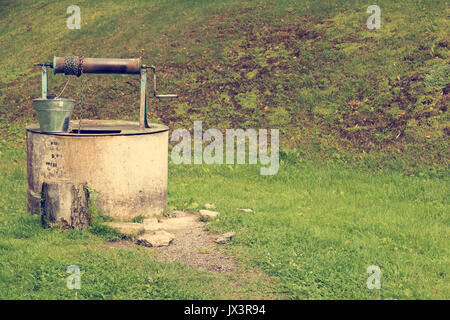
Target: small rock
225, 237
127, 228
159, 238
151, 224
208, 214
176, 224
210, 206
246, 210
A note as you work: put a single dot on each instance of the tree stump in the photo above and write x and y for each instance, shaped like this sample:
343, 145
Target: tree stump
65, 205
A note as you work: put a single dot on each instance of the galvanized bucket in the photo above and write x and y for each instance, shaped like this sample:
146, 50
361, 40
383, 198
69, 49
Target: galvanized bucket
54, 114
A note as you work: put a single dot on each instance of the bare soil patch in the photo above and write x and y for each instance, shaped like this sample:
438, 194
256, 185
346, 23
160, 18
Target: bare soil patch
193, 245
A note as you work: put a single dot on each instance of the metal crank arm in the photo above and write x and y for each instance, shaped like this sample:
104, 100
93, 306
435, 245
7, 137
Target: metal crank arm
143, 123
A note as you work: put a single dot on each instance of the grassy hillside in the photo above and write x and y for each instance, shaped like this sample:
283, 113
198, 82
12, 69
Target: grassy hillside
311, 68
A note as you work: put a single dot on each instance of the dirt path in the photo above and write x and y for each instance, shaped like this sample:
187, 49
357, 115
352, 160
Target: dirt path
195, 247
192, 244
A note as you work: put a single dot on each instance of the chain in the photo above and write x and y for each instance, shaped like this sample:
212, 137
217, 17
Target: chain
73, 65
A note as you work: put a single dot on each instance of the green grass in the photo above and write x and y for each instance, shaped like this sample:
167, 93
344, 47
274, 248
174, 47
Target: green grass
317, 229
314, 231
364, 132
34, 260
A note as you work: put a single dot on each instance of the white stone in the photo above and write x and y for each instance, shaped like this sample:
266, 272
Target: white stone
159, 238
151, 224
210, 206
127, 228
176, 224
225, 237
208, 214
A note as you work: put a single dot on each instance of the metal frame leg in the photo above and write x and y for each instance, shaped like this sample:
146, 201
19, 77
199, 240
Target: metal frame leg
44, 82
143, 106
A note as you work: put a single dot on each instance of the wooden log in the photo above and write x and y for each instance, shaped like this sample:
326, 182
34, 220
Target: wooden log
65, 205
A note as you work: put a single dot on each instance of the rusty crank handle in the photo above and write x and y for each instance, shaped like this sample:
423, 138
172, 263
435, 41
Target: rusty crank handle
166, 96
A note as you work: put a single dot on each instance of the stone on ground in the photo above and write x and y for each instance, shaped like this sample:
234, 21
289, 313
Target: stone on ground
127, 228
175, 224
159, 238
208, 214
180, 222
225, 237
151, 224
210, 206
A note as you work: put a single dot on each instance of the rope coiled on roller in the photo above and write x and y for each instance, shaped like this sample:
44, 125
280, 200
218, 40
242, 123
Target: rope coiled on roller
73, 65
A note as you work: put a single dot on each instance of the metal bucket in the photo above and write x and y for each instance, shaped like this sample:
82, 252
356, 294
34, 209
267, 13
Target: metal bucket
54, 114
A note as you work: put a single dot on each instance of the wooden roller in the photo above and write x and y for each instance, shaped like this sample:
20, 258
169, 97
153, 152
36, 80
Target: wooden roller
73, 65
